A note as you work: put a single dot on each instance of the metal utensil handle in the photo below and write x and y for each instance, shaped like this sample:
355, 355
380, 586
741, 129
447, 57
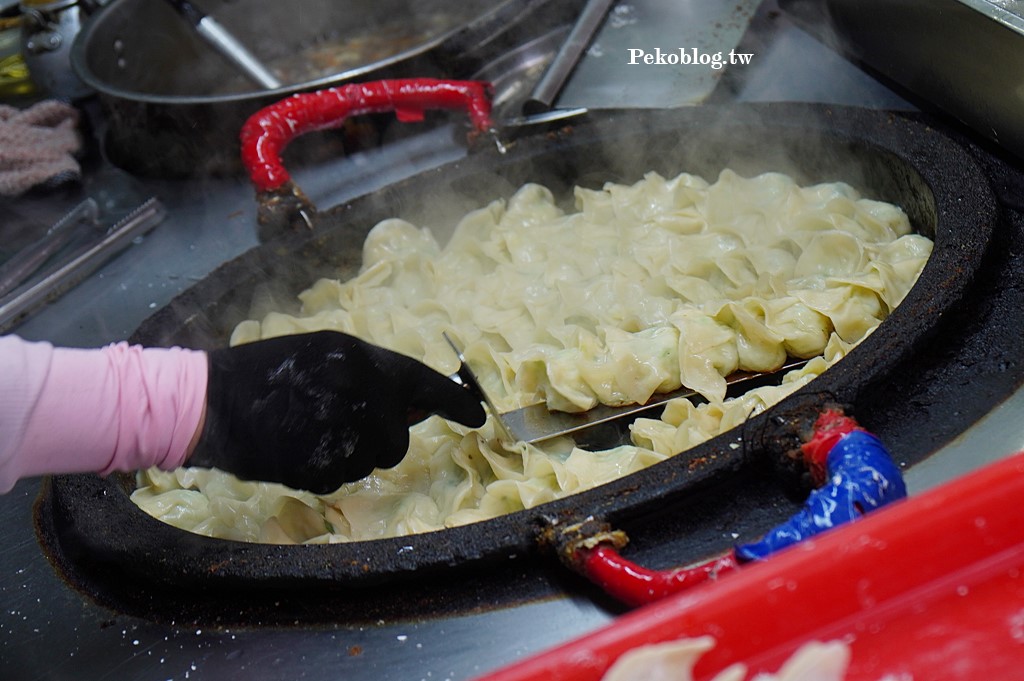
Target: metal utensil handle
266, 133
558, 71
222, 40
14, 308
228, 45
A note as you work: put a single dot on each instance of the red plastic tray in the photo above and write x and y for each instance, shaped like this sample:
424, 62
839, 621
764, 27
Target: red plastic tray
930, 588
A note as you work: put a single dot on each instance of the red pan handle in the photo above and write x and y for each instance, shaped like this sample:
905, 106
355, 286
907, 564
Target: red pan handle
267, 132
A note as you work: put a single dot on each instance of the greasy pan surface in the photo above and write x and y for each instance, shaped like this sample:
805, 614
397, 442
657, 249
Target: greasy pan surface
125, 558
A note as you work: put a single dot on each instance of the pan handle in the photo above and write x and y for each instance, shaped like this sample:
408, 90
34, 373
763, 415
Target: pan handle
266, 133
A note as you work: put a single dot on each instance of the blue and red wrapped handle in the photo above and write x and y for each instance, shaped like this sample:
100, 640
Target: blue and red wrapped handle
854, 474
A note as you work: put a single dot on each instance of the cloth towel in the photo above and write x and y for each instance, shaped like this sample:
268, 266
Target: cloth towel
37, 146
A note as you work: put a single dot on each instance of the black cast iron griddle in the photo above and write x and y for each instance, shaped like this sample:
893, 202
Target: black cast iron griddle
698, 503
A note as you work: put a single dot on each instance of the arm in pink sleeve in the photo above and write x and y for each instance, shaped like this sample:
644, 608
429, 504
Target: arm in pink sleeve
121, 407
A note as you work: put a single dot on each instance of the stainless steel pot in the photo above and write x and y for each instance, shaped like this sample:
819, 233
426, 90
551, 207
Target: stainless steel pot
175, 105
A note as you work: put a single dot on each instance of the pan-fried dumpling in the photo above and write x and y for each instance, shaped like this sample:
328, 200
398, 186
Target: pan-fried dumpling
640, 289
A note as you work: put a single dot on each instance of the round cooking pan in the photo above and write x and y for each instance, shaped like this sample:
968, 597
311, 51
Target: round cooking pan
174, 105
124, 557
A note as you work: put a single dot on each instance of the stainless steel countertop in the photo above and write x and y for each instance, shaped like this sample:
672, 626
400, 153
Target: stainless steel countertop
50, 631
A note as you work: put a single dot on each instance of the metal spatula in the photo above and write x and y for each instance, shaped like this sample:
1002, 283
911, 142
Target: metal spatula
537, 423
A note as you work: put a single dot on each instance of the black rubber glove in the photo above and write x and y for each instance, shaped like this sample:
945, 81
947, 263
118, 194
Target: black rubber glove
320, 409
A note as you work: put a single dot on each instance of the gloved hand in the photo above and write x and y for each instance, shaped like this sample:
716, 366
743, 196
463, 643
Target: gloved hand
317, 410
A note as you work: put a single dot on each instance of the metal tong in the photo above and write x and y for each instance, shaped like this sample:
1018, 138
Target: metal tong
26, 262
17, 303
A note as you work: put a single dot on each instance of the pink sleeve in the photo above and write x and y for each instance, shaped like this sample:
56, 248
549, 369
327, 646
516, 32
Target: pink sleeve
121, 407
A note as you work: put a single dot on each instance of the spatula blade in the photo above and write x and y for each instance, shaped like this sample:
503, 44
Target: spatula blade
536, 423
